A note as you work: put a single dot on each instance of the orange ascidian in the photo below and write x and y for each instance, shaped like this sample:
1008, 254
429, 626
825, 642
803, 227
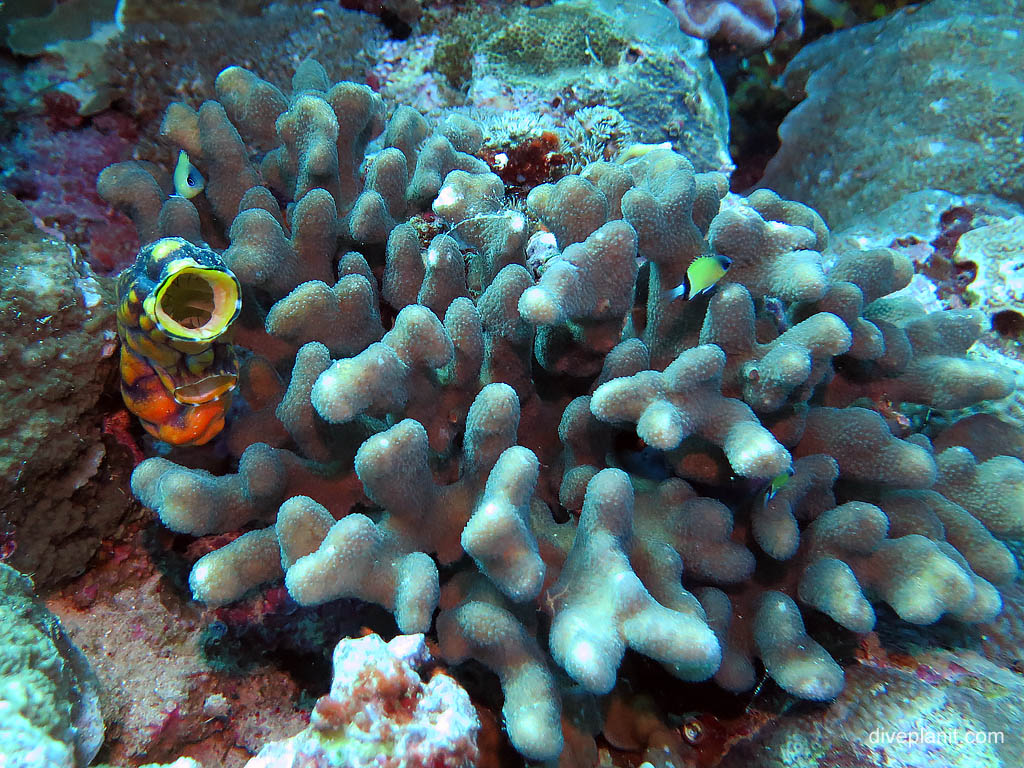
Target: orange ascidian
175, 308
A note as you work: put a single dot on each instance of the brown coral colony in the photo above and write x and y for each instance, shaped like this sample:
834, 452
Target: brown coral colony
550, 471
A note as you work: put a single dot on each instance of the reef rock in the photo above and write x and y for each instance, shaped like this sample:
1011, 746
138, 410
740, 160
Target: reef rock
57, 339
929, 97
49, 697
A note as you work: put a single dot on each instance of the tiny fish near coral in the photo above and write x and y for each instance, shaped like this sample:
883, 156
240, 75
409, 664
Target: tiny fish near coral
778, 483
702, 275
188, 182
176, 304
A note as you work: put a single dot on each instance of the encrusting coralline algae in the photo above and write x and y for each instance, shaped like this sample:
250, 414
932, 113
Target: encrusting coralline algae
406, 377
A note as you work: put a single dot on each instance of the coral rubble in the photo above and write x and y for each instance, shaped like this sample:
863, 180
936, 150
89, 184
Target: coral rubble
995, 253
721, 467
177, 680
379, 708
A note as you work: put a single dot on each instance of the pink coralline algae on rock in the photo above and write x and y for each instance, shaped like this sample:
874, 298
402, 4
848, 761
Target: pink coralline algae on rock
53, 173
745, 23
380, 713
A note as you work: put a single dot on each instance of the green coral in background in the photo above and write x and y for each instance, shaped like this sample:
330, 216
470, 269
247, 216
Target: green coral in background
456, 38
49, 704
530, 42
557, 61
556, 37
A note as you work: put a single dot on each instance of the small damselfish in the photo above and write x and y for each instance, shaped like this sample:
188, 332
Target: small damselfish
777, 483
175, 307
702, 275
188, 182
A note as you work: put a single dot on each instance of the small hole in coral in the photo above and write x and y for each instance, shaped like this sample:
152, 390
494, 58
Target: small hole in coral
399, 29
693, 731
1009, 324
966, 273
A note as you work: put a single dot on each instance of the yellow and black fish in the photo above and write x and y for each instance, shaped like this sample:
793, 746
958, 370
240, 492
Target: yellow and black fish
701, 277
777, 483
176, 304
188, 181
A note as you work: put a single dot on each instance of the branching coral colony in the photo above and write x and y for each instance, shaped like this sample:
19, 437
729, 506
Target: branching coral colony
439, 426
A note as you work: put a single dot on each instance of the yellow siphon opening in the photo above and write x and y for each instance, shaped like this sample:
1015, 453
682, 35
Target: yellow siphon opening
197, 303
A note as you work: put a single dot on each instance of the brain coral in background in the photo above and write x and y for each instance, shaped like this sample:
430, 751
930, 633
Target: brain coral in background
431, 424
943, 83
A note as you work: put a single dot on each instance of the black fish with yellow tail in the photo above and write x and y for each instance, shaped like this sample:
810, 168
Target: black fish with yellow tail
176, 304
